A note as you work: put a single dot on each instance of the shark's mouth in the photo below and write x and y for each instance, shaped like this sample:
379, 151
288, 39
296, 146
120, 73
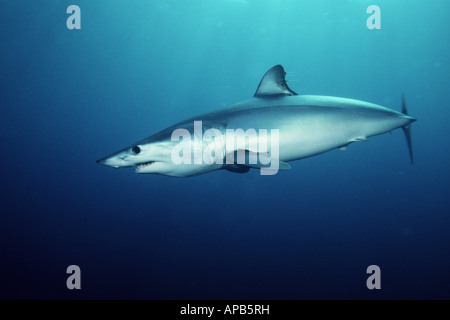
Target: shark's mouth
144, 165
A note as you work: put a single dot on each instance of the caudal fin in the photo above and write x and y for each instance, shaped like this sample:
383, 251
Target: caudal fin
407, 130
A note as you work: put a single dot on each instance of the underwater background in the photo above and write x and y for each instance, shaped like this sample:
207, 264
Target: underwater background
70, 97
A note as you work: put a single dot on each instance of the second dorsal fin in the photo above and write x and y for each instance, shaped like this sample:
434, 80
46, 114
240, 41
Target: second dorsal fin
274, 83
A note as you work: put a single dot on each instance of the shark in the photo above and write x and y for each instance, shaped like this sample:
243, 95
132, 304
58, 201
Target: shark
274, 127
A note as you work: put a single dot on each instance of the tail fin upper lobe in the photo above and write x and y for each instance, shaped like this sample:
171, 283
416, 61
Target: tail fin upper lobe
407, 130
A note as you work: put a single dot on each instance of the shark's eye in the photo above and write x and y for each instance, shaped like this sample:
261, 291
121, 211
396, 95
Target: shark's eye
136, 149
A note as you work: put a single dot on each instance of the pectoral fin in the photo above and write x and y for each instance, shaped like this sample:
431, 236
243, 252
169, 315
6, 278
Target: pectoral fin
248, 159
237, 168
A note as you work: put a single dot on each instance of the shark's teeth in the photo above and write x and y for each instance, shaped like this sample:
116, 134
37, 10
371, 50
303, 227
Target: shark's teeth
144, 165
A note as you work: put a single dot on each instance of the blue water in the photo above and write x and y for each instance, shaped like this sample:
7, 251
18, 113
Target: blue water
69, 97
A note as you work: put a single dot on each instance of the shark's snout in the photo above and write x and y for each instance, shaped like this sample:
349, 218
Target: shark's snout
135, 156
104, 161
111, 162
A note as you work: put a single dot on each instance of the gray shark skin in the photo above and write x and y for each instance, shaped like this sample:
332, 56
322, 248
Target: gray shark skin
307, 126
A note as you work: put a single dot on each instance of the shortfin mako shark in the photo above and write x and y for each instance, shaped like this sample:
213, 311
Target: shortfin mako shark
275, 127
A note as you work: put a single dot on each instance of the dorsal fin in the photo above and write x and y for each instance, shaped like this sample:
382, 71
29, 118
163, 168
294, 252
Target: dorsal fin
274, 83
